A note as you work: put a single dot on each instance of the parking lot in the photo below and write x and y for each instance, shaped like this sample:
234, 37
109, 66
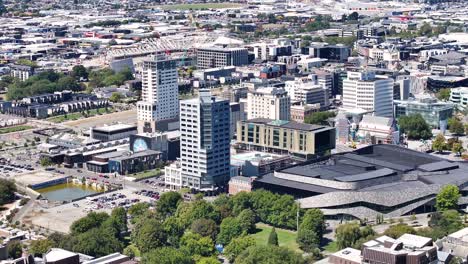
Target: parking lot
60, 218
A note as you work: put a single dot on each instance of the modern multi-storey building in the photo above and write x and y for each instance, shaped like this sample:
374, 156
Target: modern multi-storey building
269, 102
300, 141
459, 96
159, 106
215, 57
204, 143
436, 113
363, 90
308, 91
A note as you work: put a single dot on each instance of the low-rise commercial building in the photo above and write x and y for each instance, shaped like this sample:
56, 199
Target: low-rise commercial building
436, 113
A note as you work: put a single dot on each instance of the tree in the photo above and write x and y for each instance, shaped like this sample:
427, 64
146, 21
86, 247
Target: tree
92, 220
174, 230
67, 83
148, 234
450, 221
130, 251
166, 255
7, 191
45, 162
347, 234
269, 254
311, 230
167, 204
247, 220
415, 127
396, 231
208, 260
230, 228
195, 244
40, 247
439, 143
138, 210
189, 212
97, 242
205, 227
273, 238
237, 246
14, 249
353, 16
458, 149
447, 198
79, 72
456, 126
115, 97
319, 118
119, 215
443, 94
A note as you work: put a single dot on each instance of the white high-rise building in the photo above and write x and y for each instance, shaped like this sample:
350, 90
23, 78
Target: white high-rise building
204, 142
269, 102
308, 91
159, 106
363, 90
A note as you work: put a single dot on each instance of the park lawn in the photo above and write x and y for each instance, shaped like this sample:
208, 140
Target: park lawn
331, 247
200, 6
286, 238
5, 130
78, 115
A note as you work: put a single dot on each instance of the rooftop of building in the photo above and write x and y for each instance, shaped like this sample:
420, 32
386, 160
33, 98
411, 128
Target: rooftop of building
114, 128
287, 124
384, 175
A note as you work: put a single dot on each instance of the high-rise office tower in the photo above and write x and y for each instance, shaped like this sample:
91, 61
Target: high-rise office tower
363, 90
159, 106
204, 142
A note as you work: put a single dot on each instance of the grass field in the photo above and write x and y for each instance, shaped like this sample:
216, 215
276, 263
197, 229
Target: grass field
14, 129
78, 115
146, 174
199, 6
331, 247
286, 238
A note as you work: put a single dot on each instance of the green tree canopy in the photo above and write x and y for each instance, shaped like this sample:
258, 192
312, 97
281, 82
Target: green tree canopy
443, 94
319, 118
438, 144
205, 227
455, 126
415, 127
247, 220
351, 235
167, 204
79, 72
97, 242
148, 234
14, 249
39, 247
92, 220
396, 231
167, 255
269, 255
230, 228
237, 246
448, 197
7, 191
189, 212
273, 238
197, 245
115, 97
311, 230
